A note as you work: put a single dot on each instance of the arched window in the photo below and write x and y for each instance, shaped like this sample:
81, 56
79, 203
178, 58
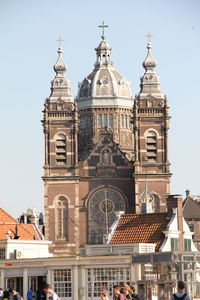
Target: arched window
147, 202
102, 208
151, 147
122, 121
61, 157
103, 59
105, 120
61, 218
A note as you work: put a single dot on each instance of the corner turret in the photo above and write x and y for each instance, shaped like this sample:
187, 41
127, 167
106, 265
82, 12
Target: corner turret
150, 81
60, 85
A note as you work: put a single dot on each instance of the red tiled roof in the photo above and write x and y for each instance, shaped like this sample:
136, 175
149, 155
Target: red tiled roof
9, 224
5, 217
141, 228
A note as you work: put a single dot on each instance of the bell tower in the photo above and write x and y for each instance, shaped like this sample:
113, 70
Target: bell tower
151, 125
60, 123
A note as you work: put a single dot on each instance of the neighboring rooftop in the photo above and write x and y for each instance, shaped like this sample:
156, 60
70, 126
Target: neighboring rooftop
12, 229
141, 228
191, 209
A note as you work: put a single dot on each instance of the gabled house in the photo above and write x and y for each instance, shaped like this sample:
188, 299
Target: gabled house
191, 213
167, 231
18, 240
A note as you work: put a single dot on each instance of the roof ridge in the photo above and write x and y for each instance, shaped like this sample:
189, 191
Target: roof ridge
191, 199
145, 214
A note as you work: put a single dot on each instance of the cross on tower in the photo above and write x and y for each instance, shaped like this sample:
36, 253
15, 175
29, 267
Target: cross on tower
149, 36
103, 34
59, 41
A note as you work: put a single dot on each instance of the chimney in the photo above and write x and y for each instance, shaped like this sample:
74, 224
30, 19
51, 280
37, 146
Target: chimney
176, 201
16, 236
187, 193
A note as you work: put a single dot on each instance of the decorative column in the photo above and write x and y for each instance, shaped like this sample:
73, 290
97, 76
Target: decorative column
75, 138
75, 284
2, 279
25, 283
76, 218
46, 134
135, 275
49, 276
138, 272
162, 291
82, 288
166, 139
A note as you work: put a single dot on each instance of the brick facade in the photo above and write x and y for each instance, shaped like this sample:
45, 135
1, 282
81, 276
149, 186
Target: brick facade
102, 151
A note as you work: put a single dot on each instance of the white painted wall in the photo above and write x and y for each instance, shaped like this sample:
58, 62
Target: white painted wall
173, 232
25, 249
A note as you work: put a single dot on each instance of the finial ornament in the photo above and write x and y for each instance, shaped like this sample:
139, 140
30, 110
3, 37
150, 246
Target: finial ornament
60, 40
149, 36
103, 33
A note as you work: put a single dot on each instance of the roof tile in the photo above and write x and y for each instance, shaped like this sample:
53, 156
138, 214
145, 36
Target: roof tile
141, 228
9, 225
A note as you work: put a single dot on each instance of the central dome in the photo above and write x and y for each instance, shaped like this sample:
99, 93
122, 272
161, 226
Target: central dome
104, 81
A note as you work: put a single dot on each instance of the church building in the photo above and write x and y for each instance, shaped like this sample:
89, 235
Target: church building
105, 151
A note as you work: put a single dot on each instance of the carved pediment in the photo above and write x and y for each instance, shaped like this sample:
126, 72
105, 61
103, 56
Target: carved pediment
106, 156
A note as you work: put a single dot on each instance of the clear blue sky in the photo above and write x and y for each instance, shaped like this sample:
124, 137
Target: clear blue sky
28, 33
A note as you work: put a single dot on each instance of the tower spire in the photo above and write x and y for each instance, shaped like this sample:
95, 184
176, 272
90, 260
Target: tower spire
150, 82
60, 86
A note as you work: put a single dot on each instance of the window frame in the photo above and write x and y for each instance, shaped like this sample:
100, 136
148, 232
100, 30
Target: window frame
174, 244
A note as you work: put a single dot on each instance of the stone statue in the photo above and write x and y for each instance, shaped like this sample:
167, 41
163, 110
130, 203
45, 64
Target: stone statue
105, 157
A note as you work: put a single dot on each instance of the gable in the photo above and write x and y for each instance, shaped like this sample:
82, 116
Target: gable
106, 159
191, 209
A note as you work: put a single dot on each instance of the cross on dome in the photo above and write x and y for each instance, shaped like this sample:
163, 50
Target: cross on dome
149, 36
103, 33
60, 40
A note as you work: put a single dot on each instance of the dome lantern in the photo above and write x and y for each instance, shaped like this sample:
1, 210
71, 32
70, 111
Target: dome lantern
104, 81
